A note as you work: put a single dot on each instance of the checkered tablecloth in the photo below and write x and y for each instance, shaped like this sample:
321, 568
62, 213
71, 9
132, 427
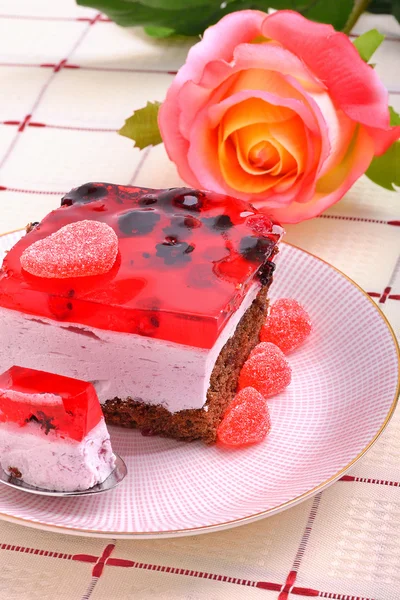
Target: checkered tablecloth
68, 78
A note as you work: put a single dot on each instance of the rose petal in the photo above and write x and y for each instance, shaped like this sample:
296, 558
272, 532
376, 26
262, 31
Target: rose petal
339, 128
353, 85
260, 67
218, 41
256, 151
383, 139
334, 185
236, 177
291, 136
217, 111
203, 159
267, 57
255, 110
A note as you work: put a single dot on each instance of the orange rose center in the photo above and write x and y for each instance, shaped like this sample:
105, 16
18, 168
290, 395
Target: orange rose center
260, 145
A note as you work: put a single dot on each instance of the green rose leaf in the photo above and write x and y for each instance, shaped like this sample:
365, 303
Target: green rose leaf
142, 126
159, 32
394, 117
384, 170
368, 42
192, 17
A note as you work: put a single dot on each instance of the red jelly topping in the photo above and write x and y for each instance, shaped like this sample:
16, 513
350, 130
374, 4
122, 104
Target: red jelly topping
67, 406
186, 260
246, 421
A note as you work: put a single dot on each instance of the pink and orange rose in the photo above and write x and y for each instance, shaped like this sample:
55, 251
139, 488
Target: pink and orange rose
276, 110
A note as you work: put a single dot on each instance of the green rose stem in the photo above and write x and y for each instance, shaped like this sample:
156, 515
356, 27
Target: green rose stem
359, 7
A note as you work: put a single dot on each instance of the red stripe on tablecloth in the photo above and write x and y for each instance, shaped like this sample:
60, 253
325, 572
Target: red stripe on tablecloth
333, 596
24, 123
54, 66
44, 87
128, 70
291, 578
97, 571
360, 219
385, 295
99, 566
21, 191
103, 19
369, 480
105, 559
90, 589
27, 123
90, 68
24, 550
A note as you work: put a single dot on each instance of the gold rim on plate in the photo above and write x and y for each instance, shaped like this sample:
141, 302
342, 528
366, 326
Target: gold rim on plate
256, 516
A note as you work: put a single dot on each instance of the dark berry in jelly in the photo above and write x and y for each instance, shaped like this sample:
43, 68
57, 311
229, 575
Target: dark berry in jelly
181, 226
191, 222
191, 200
148, 325
255, 249
174, 252
148, 200
89, 192
60, 308
138, 222
220, 223
266, 271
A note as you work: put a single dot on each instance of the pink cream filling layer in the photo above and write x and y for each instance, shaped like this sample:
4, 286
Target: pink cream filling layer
118, 364
53, 463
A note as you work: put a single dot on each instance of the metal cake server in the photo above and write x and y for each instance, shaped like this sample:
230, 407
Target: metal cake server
118, 474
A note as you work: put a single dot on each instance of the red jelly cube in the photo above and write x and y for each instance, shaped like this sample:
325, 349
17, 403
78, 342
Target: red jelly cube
186, 259
68, 406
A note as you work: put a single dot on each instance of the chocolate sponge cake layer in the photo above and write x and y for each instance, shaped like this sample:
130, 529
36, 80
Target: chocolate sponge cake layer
200, 423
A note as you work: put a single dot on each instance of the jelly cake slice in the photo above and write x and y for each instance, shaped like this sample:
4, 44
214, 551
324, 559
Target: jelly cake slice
52, 431
163, 333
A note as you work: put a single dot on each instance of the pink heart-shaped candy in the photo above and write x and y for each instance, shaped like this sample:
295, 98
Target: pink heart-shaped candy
80, 249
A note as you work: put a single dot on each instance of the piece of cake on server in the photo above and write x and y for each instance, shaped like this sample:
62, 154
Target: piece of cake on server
156, 297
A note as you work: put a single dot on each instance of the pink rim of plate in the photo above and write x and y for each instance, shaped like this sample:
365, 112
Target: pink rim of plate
346, 382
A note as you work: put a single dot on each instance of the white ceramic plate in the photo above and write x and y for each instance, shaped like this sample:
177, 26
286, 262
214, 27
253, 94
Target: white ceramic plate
343, 393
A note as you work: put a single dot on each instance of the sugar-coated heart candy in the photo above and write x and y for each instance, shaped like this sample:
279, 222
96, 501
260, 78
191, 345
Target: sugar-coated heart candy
268, 371
80, 249
287, 326
246, 421
259, 349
